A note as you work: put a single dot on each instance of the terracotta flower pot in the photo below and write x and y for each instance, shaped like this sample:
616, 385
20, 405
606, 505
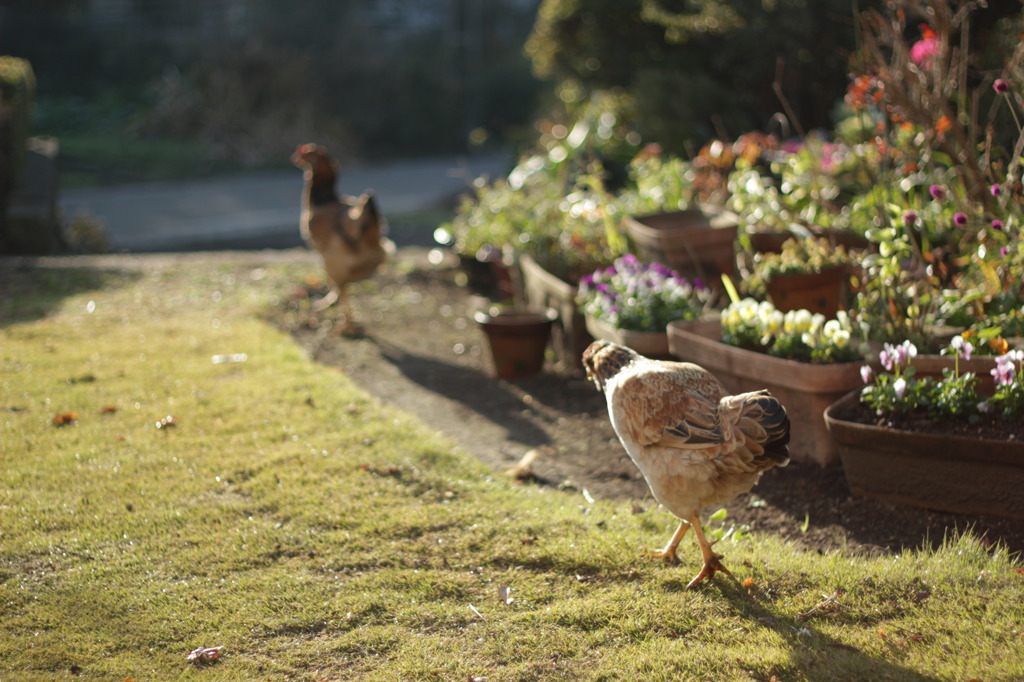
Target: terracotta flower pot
518, 339
650, 344
804, 389
686, 242
819, 292
942, 472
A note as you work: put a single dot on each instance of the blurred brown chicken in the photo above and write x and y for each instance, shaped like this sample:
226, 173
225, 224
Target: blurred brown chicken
694, 444
347, 231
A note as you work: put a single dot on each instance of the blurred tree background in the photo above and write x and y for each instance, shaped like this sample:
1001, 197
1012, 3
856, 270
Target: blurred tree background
201, 85
240, 82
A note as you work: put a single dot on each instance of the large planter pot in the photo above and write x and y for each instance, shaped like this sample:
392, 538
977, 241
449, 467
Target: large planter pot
650, 344
819, 292
942, 472
686, 242
518, 339
545, 290
805, 390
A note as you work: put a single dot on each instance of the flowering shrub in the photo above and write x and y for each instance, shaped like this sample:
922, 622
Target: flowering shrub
795, 335
638, 297
898, 391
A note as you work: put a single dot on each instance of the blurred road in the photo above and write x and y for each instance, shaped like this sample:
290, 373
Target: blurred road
261, 210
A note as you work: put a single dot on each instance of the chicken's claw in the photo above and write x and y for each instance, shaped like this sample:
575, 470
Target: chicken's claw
711, 566
668, 554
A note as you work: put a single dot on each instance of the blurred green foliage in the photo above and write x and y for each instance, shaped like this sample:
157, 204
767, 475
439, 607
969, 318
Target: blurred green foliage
253, 79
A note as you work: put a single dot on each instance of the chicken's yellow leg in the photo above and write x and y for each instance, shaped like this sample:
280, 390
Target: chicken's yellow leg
669, 553
712, 563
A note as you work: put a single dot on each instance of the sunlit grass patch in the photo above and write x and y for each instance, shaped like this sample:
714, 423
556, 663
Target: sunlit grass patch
286, 515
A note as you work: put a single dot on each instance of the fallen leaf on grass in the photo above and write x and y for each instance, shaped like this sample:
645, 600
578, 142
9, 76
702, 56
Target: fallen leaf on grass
748, 583
65, 418
108, 409
523, 469
840, 645
204, 655
389, 470
167, 422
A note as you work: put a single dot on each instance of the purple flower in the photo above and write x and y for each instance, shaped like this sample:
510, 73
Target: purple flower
866, 373
1001, 86
910, 218
962, 347
938, 192
997, 224
1004, 251
996, 190
960, 219
887, 356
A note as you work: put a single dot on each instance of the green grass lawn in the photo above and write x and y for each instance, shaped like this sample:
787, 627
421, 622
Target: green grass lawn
315, 534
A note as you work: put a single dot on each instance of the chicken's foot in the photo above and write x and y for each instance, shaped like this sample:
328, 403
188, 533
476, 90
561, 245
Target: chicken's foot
669, 552
712, 561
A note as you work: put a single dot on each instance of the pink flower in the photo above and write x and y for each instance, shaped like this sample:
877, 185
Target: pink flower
960, 219
996, 190
866, 373
997, 224
1004, 372
910, 218
923, 51
938, 192
1001, 86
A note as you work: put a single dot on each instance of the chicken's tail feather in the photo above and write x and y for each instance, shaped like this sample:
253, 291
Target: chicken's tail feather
765, 422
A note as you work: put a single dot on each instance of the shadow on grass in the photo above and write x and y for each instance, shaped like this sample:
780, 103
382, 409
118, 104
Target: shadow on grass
470, 387
31, 291
815, 654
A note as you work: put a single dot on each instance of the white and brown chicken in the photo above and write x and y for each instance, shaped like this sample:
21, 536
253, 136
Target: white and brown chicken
348, 232
694, 444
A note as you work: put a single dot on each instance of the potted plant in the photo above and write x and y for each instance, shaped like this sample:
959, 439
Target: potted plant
667, 223
943, 442
804, 359
807, 273
632, 303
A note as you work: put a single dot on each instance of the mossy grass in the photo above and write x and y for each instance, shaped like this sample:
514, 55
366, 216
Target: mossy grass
285, 515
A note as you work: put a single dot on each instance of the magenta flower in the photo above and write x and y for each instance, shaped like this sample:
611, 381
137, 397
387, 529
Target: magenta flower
996, 190
910, 218
938, 192
1001, 86
960, 219
997, 225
